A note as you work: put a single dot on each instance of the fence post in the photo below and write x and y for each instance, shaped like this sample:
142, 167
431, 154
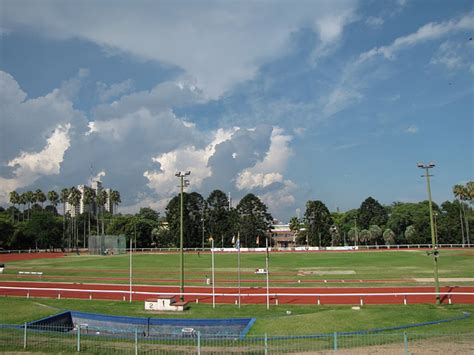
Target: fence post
266, 344
24, 336
78, 338
136, 341
335, 343
405, 342
199, 342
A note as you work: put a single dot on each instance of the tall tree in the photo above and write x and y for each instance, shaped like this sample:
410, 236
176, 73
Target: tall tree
64, 197
53, 198
318, 223
295, 227
458, 191
115, 199
218, 217
376, 234
193, 204
389, 236
88, 199
101, 200
14, 200
74, 200
254, 220
40, 197
371, 212
29, 199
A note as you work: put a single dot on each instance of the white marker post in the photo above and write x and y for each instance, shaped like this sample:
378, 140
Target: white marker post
268, 281
212, 274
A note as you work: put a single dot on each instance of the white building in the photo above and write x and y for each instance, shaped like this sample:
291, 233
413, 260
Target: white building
83, 207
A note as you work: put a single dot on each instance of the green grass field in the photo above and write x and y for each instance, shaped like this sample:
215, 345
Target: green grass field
303, 320
373, 268
396, 267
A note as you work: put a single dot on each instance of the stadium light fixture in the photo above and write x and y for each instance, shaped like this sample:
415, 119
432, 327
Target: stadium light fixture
434, 252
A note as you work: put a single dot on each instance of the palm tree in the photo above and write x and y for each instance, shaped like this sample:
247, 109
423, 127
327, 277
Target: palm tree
101, 201
29, 200
89, 197
53, 198
23, 203
295, 226
389, 236
40, 197
458, 191
74, 200
115, 199
465, 196
14, 199
64, 198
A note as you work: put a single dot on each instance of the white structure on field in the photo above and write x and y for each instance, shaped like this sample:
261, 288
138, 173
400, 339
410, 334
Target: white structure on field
165, 303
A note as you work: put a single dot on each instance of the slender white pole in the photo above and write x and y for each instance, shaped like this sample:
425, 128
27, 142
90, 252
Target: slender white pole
130, 269
238, 263
268, 281
213, 281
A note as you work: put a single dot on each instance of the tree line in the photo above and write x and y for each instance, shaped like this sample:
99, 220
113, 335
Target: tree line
28, 223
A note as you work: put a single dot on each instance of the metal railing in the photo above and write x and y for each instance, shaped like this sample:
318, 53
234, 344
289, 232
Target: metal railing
104, 341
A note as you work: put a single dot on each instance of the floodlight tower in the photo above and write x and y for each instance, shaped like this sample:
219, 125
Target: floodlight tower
434, 252
183, 183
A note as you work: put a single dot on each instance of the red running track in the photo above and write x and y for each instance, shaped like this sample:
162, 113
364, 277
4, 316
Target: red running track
249, 295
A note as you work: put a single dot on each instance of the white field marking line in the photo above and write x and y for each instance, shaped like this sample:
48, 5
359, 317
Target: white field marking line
204, 286
243, 294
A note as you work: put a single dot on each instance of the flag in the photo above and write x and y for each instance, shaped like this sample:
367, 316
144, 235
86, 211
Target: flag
258, 240
233, 239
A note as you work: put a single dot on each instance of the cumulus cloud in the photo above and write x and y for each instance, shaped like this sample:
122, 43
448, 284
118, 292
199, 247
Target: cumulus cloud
188, 158
218, 43
27, 123
106, 92
268, 171
29, 166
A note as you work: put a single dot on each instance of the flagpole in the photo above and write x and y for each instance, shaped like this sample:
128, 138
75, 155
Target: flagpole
212, 274
130, 269
268, 281
238, 262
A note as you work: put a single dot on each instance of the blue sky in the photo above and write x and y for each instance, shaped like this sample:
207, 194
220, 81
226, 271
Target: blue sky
290, 100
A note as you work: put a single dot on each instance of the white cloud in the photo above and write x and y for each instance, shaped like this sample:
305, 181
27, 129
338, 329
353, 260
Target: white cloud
107, 92
374, 21
428, 32
188, 158
412, 129
268, 171
97, 178
218, 43
27, 123
339, 99
28, 167
453, 55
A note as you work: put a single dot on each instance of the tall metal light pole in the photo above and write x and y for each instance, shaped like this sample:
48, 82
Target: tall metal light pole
181, 175
434, 253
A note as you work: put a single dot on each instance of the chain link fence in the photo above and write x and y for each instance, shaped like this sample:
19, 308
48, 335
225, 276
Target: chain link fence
94, 340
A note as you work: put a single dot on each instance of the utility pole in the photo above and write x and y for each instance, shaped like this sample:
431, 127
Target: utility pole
183, 183
434, 252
